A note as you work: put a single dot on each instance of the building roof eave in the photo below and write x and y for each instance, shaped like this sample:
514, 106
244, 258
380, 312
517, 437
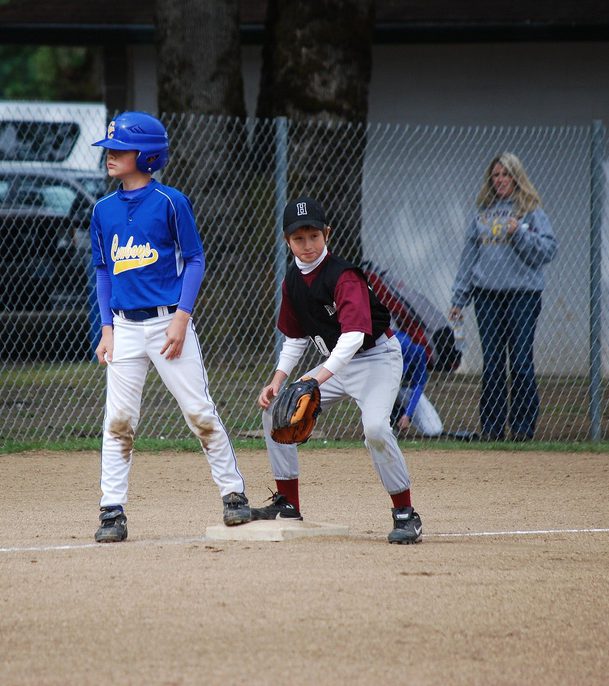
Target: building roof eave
75, 34
253, 34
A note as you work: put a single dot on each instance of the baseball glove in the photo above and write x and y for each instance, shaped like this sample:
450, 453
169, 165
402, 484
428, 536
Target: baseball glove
295, 411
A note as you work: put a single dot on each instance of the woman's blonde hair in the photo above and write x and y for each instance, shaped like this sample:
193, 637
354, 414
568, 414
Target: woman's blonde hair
525, 194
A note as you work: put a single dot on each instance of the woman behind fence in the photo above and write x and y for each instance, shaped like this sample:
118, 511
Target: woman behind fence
506, 246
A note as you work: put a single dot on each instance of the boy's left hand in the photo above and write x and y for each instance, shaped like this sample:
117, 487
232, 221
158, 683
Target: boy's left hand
176, 334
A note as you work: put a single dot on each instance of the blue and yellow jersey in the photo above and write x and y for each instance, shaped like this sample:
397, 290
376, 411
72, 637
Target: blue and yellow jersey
142, 240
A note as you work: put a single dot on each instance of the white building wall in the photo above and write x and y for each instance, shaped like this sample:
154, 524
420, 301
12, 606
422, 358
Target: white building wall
515, 84
142, 87
495, 83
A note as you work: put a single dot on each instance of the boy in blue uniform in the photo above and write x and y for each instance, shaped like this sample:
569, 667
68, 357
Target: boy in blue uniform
149, 266
412, 407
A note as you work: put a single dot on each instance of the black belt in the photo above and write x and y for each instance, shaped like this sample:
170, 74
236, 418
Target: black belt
146, 313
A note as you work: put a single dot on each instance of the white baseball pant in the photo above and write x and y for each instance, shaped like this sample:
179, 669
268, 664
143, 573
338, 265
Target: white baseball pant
136, 344
372, 378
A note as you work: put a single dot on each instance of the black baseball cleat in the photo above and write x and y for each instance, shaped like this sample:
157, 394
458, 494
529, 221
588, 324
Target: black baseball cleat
236, 509
407, 526
113, 525
279, 508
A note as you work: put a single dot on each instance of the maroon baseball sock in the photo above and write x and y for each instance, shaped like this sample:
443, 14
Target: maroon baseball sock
401, 499
289, 489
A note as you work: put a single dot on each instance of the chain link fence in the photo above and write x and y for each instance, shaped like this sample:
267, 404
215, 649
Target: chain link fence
399, 199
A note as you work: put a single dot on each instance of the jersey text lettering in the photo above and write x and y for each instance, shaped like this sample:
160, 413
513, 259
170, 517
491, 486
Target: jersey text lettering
131, 256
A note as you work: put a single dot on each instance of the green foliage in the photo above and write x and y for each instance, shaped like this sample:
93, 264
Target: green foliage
29, 72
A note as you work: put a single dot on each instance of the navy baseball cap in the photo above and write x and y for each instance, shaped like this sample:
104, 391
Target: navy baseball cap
303, 211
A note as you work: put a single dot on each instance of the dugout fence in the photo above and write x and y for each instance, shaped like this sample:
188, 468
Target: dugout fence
398, 197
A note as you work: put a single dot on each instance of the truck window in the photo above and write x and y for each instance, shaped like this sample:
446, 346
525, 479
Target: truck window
37, 141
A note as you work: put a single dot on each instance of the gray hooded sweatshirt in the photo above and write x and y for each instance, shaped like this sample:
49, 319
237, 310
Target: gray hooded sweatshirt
494, 261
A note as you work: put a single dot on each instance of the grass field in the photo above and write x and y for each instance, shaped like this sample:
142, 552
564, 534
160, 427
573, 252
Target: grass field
62, 402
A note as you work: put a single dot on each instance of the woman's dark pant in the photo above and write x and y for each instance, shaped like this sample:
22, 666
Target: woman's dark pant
506, 323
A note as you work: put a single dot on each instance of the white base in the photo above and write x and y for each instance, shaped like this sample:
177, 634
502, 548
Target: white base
273, 530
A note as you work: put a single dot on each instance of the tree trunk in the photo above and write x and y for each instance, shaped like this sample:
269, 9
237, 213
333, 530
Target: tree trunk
199, 57
317, 61
200, 96
199, 73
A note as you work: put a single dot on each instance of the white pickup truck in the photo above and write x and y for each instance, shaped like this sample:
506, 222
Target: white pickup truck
51, 134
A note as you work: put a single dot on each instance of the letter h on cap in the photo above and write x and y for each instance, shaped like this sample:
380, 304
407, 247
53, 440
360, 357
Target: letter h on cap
301, 209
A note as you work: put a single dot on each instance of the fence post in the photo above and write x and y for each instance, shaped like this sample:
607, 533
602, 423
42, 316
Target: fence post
281, 192
597, 144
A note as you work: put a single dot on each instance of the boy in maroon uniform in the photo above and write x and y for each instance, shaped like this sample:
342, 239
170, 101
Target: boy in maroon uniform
327, 300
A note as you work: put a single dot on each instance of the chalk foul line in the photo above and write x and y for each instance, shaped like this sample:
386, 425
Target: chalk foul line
533, 532
83, 546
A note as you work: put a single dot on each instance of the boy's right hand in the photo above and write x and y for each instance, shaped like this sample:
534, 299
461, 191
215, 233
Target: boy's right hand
267, 395
105, 347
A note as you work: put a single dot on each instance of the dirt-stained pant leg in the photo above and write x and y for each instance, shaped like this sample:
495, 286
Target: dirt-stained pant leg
372, 379
186, 379
125, 379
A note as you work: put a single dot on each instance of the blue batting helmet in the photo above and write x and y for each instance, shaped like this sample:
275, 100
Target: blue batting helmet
141, 132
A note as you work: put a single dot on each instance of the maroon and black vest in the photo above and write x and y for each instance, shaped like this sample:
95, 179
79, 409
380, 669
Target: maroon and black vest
315, 309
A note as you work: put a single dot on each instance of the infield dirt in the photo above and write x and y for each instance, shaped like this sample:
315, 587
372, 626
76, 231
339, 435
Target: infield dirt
167, 607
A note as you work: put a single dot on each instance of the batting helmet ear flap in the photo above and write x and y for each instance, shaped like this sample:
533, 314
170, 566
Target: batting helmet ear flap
148, 163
